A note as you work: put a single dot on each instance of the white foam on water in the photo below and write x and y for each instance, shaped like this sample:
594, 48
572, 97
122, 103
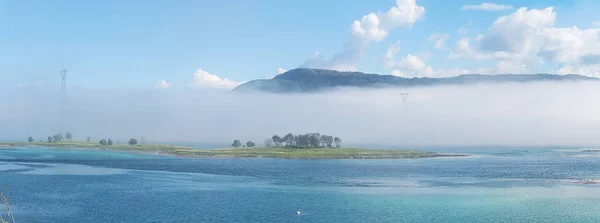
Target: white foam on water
12, 166
74, 169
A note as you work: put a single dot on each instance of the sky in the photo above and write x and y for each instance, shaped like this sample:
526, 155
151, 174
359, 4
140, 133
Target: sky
220, 44
163, 70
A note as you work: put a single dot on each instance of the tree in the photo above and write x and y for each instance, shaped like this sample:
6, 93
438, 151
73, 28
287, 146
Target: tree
295, 141
110, 142
314, 140
329, 141
236, 143
132, 141
268, 142
50, 139
323, 141
103, 142
277, 140
337, 141
58, 137
69, 136
303, 141
88, 139
250, 144
289, 140
30, 139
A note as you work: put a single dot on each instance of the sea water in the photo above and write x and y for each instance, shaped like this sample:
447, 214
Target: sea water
492, 185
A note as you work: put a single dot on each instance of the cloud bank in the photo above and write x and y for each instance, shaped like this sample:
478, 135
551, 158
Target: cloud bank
527, 39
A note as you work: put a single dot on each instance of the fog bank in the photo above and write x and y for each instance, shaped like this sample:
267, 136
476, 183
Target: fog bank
544, 114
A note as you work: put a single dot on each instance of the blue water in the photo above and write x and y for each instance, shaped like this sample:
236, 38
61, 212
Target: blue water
493, 185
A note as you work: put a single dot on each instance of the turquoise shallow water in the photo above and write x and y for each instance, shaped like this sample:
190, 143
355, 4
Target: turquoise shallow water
494, 185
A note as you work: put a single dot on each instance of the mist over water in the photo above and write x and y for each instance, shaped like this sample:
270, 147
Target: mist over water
544, 114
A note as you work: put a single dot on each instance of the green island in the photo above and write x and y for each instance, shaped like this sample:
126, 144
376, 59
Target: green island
254, 152
301, 146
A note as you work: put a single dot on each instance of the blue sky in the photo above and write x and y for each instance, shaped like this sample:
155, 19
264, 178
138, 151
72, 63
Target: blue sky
134, 43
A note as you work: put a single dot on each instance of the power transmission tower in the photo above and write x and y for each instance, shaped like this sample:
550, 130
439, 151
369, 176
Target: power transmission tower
404, 96
63, 98
63, 73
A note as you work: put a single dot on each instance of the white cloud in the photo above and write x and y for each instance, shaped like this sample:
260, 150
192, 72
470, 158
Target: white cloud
592, 70
408, 66
388, 58
439, 40
596, 23
375, 27
415, 66
465, 50
508, 67
345, 61
368, 28
571, 45
463, 30
281, 71
527, 39
518, 32
372, 27
164, 84
486, 7
203, 79
398, 73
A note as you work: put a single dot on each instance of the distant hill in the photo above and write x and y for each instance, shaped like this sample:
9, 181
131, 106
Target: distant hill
314, 80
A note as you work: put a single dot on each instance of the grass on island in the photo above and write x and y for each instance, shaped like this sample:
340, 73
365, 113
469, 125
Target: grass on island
311, 153
254, 152
96, 145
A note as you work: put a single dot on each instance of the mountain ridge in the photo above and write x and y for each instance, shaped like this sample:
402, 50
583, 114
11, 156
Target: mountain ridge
314, 80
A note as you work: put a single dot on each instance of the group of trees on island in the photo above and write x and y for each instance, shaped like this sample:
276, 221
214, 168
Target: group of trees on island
109, 142
69, 137
237, 144
55, 138
309, 140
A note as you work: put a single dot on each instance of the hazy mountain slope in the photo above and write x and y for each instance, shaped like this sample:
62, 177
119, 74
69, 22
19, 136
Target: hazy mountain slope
313, 80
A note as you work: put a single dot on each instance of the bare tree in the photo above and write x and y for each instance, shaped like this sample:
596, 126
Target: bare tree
268, 142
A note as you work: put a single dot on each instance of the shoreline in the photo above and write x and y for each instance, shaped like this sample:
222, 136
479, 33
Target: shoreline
254, 152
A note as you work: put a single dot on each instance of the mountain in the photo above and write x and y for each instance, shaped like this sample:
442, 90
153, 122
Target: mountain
314, 80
